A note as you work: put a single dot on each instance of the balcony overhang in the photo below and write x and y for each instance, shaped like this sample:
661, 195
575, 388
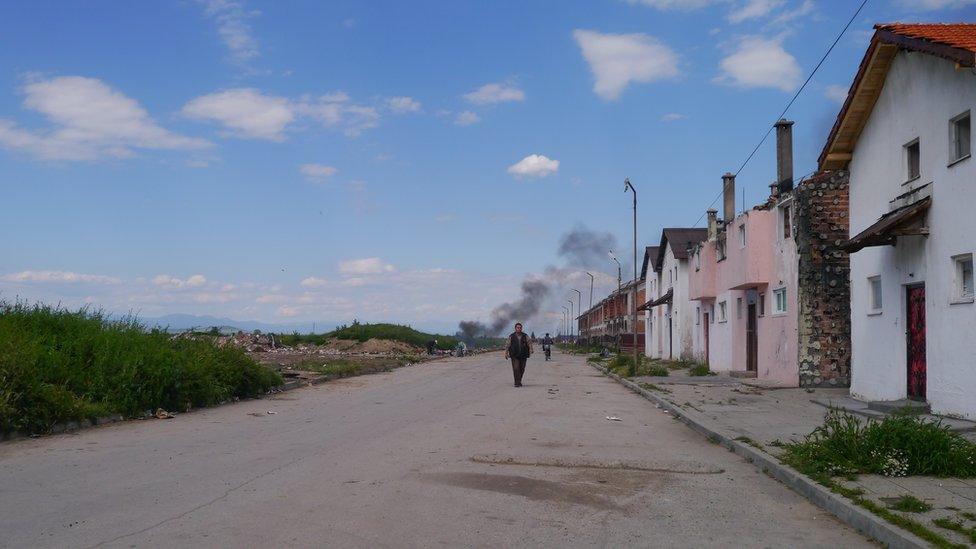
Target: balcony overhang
904, 221
666, 298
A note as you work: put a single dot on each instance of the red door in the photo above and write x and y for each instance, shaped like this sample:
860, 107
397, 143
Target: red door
916, 342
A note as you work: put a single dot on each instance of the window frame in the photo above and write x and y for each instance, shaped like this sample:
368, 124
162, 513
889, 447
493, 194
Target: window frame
786, 220
906, 148
742, 236
777, 311
698, 315
875, 307
738, 308
723, 311
959, 295
761, 304
954, 138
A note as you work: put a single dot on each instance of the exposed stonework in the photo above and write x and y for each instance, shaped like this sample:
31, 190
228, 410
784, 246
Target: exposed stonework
820, 205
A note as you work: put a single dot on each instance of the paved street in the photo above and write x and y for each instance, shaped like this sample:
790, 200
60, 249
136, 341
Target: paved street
446, 453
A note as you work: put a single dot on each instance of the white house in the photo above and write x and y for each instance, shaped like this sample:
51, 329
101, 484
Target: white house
671, 322
904, 133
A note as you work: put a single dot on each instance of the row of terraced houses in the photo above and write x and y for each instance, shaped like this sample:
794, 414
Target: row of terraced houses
858, 276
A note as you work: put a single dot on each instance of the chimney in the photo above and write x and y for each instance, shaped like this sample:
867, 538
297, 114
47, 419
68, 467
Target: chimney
773, 190
728, 192
712, 223
784, 155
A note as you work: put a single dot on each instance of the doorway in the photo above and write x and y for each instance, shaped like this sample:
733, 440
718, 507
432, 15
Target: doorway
915, 332
752, 340
705, 336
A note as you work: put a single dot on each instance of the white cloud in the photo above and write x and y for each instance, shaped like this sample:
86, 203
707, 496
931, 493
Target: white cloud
672, 117
683, 5
365, 266
246, 112
490, 94
288, 311
233, 28
616, 60
317, 172
754, 9
91, 121
314, 282
59, 276
466, 118
171, 282
805, 8
402, 105
760, 63
534, 165
836, 93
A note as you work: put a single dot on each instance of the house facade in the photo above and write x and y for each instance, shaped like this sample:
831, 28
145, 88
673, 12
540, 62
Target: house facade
905, 136
669, 327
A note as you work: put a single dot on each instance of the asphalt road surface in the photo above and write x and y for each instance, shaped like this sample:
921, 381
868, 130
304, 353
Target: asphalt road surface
440, 454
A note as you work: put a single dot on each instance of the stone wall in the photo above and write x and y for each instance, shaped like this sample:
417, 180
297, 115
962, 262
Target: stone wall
824, 295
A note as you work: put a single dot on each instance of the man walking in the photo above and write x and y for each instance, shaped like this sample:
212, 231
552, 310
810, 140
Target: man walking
519, 349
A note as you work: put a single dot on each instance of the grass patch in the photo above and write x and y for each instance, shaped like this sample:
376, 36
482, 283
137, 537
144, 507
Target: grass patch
653, 369
58, 365
956, 526
597, 359
698, 370
750, 442
968, 516
339, 367
895, 446
394, 332
653, 387
910, 504
622, 365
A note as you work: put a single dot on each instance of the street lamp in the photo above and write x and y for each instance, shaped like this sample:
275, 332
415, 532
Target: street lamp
627, 185
616, 325
570, 317
565, 323
579, 310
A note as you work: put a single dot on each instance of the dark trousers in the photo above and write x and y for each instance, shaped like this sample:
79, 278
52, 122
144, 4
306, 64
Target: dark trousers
518, 368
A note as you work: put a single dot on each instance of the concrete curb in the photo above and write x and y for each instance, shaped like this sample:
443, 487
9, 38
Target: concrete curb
861, 519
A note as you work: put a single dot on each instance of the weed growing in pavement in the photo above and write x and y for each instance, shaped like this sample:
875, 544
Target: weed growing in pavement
653, 387
58, 365
654, 370
895, 446
956, 526
750, 442
910, 504
597, 359
700, 370
968, 516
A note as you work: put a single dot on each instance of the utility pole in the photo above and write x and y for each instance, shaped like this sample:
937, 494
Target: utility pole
589, 312
634, 300
579, 310
616, 312
565, 322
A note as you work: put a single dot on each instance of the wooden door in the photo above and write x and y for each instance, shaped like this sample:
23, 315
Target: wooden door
705, 333
752, 340
916, 342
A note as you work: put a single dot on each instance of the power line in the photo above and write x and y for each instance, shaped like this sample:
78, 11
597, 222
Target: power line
790, 104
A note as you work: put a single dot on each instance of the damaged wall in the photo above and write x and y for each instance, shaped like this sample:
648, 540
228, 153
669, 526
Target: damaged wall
824, 305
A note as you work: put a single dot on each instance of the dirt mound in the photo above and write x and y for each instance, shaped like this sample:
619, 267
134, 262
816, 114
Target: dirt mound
384, 346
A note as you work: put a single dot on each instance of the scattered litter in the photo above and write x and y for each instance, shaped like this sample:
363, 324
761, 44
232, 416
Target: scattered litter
272, 412
613, 418
163, 414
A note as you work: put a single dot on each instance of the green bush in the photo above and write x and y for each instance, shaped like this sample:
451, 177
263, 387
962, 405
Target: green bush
656, 370
899, 445
700, 370
58, 365
365, 332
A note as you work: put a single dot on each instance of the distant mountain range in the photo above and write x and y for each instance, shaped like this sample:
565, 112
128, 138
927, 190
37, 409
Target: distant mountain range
180, 322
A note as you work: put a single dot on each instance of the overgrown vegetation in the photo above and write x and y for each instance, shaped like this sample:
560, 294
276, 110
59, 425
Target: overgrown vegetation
58, 365
653, 387
394, 332
956, 526
700, 369
899, 445
910, 504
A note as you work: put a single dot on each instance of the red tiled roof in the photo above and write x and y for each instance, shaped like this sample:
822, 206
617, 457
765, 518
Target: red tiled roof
956, 35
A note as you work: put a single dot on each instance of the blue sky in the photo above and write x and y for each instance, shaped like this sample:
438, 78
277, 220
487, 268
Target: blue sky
404, 161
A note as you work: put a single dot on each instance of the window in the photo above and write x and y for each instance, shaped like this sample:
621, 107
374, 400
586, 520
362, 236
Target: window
697, 315
912, 156
742, 235
874, 295
698, 259
787, 221
963, 268
780, 297
959, 137
719, 250
721, 312
738, 307
762, 305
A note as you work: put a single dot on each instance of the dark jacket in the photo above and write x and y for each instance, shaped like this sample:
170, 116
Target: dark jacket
518, 348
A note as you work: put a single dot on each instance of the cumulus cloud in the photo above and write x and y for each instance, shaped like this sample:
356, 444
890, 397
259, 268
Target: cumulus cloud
673, 117
248, 113
754, 9
365, 266
466, 118
401, 105
314, 282
490, 94
835, 93
90, 121
317, 172
172, 282
760, 63
534, 166
616, 60
233, 28
59, 276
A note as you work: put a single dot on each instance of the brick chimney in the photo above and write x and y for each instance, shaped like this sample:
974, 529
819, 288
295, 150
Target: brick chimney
712, 223
728, 192
784, 155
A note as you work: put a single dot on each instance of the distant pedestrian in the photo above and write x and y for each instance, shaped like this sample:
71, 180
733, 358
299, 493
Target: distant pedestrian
519, 349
